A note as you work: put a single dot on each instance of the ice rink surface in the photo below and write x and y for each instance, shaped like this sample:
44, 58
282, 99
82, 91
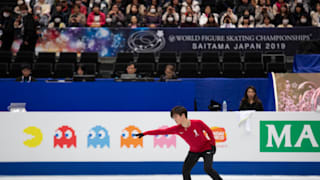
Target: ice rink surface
157, 177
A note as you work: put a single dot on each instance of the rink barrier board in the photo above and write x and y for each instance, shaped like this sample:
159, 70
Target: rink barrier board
238, 152
151, 168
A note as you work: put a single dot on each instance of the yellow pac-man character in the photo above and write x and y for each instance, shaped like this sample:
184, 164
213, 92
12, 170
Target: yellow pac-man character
37, 136
128, 137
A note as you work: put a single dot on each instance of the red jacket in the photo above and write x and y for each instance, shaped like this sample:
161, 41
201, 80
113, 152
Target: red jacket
193, 135
83, 10
90, 19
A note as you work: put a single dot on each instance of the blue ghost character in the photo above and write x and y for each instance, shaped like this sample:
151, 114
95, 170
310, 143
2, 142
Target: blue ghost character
98, 135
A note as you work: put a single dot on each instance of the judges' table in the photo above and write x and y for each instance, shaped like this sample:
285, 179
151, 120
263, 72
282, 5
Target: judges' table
102, 143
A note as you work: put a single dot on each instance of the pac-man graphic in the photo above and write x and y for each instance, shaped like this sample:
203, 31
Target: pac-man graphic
65, 136
98, 137
37, 136
161, 140
219, 134
128, 137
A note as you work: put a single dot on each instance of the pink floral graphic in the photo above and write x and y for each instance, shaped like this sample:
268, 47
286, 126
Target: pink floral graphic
298, 92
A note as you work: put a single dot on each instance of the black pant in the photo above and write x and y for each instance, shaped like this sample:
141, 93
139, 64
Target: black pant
193, 158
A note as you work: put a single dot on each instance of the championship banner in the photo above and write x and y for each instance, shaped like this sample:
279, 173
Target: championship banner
297, 91
109, 41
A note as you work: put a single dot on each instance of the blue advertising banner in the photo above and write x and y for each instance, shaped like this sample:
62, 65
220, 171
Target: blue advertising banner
110, 41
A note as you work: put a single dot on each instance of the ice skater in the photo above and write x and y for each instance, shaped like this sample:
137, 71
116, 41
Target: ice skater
192, 131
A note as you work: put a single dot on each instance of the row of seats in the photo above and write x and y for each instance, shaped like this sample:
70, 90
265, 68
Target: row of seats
48, 57
193, 57
207, 69
210, 65
64, 70
46, 70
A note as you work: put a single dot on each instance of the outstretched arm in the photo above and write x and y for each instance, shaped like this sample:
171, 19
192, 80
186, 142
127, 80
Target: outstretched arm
170, 130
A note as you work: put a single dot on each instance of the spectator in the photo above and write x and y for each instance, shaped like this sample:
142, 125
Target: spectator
193, 4
313, 4
131, 68
133, 22
284, 12
169, 73
96, 18
205, 16
212, 21
245, 5
26, 75
83, 8
266, 23
298, 12
80, 71
155, 3
153, 17
6, 25
77, 19
246, 23
246, 16
21, 3
227, 23
45, 7
231, 15
263, 9
303, 21
57, 11
189, 19
170, 18
134, 12
115, 17
285, 23
250, 101
29, 30
315, 15
17, 25
121, 6
174, 4
278, 5
56, 22
303, 4
43, 20
140, 8
66, 10
103, 6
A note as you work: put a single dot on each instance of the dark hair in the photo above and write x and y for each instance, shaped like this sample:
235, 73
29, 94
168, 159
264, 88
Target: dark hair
131, 63
26, 66
7, 9
179, 110
23, 7
171, 67
255, 98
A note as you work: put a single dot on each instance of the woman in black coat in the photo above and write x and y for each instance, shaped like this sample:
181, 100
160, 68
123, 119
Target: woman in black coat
250, 101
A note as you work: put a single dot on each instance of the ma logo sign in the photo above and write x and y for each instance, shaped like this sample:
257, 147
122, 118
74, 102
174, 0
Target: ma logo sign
289, 136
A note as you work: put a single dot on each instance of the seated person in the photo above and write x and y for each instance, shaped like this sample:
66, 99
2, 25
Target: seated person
285, 23
169, 73
131, 72
26, 75
96, 18
81, 75
250, 101
80, 71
